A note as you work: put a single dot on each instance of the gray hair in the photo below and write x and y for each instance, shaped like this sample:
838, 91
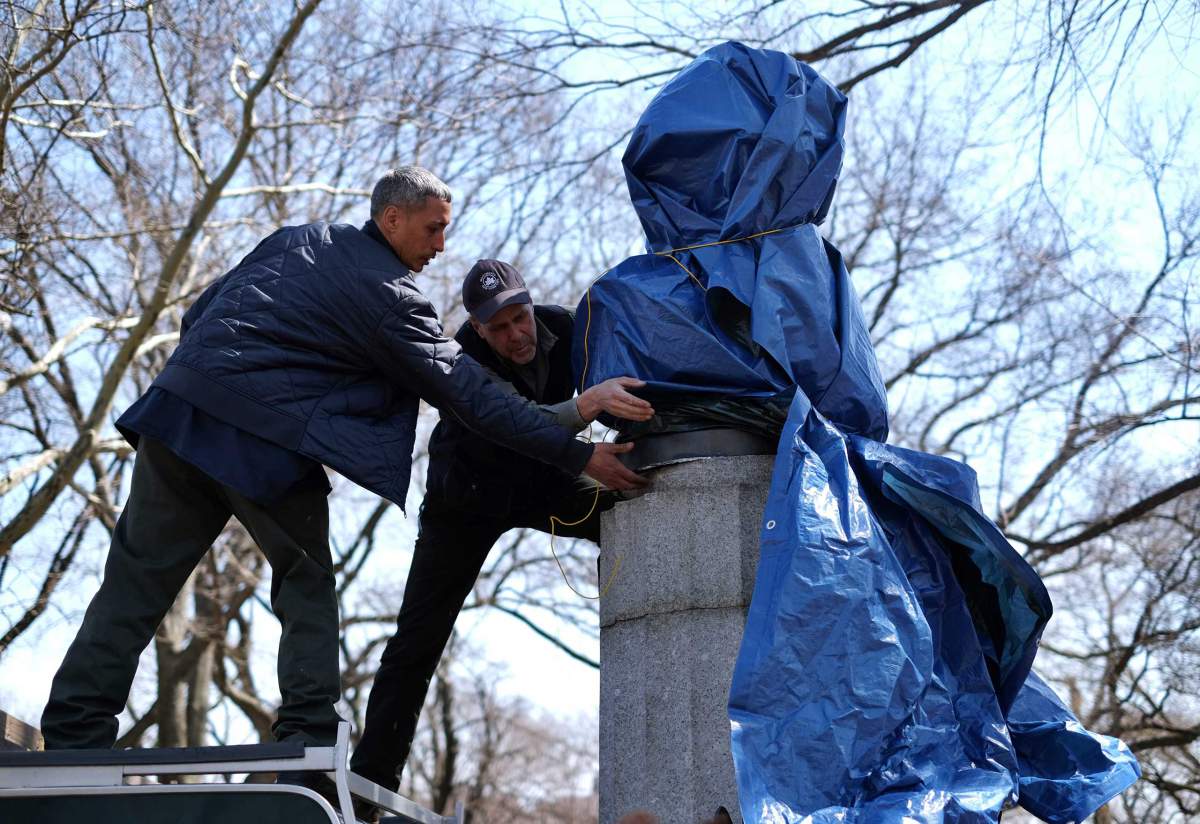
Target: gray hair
407, 187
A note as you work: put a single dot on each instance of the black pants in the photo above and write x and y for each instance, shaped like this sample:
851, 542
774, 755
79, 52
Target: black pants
452, 544
173, 515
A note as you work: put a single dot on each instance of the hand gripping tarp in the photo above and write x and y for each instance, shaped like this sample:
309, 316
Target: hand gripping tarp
884, 675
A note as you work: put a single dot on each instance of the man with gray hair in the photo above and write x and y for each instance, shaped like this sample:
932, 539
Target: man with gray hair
315, 349
395, 198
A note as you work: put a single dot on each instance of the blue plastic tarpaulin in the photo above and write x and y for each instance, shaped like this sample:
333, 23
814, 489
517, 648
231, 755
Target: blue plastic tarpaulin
885, 671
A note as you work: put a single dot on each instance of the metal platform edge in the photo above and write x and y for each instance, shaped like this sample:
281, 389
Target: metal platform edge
163, 789
40, 775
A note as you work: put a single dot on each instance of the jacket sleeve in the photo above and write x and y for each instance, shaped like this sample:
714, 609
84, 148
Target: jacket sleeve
565, 414
410, 349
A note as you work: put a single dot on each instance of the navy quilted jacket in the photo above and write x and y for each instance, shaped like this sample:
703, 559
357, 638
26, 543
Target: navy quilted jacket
320, 342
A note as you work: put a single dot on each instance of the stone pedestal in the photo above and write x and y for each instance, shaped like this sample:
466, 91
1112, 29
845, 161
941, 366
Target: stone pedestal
670, 627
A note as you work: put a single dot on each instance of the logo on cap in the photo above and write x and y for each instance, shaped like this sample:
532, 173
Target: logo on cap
489, 281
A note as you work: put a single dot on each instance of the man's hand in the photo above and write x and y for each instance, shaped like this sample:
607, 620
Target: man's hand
612, 397
607, 469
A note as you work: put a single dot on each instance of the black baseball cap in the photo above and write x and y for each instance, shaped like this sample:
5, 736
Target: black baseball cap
490, 286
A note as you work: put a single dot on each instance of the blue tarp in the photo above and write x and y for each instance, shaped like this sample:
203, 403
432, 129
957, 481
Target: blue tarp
885, 672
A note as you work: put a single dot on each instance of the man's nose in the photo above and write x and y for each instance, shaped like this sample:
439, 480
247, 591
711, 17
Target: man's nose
439, 242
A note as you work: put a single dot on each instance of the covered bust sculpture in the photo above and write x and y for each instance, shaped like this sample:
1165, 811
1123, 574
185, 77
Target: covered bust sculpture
885, 674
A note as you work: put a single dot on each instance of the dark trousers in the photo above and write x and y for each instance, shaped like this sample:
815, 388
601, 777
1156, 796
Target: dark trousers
173, 515
452, 544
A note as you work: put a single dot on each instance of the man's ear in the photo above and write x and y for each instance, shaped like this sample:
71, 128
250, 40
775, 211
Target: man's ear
474, 325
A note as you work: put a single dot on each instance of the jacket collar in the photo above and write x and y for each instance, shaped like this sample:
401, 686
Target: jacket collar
372, 231
546, 338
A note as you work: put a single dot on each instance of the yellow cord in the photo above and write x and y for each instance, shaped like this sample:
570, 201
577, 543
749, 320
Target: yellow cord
684, 268
723, 242
616, 564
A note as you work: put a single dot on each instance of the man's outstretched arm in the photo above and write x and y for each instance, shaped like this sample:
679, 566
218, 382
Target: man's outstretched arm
611, 396
412, 350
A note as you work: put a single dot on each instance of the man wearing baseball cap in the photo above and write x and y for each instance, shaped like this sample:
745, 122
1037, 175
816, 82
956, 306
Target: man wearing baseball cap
477, 490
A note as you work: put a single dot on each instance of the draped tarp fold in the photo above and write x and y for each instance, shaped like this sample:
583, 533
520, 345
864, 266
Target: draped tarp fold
885, 671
